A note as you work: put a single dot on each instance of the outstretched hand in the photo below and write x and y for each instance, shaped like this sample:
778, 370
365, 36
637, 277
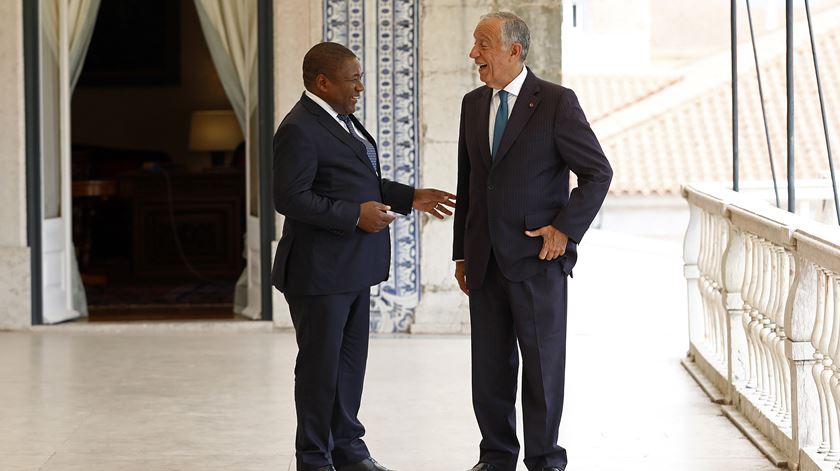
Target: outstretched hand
434, 202
554, 242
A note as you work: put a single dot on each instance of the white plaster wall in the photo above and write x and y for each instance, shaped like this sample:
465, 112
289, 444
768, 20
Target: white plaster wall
12, 131
15, 291
14, 254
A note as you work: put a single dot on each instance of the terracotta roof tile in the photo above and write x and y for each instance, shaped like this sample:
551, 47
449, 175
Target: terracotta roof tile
692, 141
602, 95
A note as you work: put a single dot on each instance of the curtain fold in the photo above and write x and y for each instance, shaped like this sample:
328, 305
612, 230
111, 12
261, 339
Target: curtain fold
230, 29
81, 19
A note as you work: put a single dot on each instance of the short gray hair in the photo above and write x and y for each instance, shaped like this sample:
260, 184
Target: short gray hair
514, 30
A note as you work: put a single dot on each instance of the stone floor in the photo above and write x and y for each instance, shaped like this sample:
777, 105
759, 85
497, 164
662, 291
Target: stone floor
73, 400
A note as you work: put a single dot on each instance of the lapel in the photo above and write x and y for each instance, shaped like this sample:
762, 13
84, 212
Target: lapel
526, 104
483, 112
339, 131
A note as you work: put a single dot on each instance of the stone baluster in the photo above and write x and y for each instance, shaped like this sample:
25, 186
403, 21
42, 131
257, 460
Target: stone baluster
804, 334
786, 260
720, 289
816, 341
733, 277
703, 265
834, 311
691, 272
774, 339
762, 324
828, 370
767, 326
746, 316
712, 301
769, 331
825, 360
755, 321
718, 308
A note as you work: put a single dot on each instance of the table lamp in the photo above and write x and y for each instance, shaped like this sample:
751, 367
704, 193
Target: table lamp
215, 131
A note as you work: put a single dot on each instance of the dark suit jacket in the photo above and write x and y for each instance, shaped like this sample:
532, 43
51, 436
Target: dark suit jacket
321, 176
527, 185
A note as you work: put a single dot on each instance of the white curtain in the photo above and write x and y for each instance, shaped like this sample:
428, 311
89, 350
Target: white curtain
81, 18
230, 29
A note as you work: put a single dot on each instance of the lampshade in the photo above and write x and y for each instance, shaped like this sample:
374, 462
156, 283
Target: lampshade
214, 130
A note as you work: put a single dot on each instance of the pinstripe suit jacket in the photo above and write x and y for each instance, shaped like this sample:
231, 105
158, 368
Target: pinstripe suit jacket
527, 185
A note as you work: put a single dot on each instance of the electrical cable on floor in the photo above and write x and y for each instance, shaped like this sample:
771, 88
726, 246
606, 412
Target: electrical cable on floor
175, 236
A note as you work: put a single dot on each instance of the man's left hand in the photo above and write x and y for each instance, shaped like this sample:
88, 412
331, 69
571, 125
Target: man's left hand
554, 242
433, 202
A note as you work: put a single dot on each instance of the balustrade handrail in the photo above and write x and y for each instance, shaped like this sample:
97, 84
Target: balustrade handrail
763, 325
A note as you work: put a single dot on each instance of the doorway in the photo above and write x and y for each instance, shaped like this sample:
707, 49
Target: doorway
154, 170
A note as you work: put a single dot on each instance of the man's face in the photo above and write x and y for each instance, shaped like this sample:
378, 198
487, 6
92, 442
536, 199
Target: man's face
343, 91
497, 65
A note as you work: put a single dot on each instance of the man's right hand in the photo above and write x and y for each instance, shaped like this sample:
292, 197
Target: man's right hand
374, 216
461, 276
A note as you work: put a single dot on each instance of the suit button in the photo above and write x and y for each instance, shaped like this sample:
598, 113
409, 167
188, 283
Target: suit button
490, 187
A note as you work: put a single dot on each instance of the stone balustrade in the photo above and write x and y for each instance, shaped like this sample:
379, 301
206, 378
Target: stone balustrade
764, 322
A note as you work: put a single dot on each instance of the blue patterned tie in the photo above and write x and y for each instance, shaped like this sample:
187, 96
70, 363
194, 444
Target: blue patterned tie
501, 122
369, 149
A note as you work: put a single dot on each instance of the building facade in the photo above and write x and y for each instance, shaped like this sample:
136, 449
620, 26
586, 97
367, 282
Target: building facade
415, 59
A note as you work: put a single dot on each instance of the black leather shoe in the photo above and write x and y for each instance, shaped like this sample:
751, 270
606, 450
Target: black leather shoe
368, 464
484, 467
552, 469
325, 468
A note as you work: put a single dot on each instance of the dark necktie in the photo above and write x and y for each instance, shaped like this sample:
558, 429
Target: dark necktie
501, 122
369, 149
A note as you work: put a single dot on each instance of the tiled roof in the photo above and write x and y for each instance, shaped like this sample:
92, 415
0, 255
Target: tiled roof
692, 140
602, 95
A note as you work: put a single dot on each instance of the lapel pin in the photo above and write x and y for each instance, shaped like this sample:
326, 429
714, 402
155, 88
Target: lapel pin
531, 104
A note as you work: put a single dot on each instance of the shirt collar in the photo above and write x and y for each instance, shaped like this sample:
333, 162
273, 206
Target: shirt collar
515, 85
323, 104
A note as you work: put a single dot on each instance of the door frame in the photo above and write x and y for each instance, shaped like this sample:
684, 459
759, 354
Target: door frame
265, 121
34, 205
34, 182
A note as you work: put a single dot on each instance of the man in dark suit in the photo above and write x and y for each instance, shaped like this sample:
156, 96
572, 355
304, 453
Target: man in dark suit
335, 246
516, 230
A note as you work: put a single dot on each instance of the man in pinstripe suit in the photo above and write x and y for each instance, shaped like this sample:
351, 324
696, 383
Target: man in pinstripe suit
517, 227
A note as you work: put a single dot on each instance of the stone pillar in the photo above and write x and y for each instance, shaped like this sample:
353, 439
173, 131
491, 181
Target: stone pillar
296, 29
15, 288
544, 18
446, 75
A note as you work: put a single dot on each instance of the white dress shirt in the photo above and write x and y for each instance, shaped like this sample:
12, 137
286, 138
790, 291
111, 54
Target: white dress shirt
513, 89
329, 109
